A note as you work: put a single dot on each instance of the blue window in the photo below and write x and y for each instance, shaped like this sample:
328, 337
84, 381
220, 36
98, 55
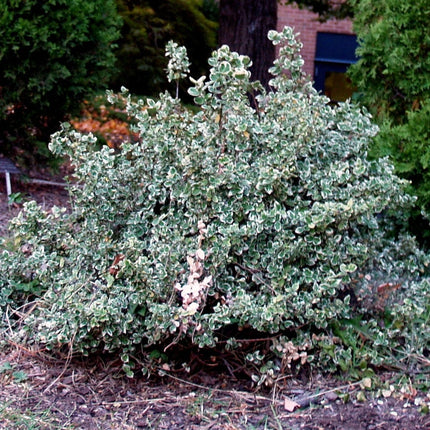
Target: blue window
334, 53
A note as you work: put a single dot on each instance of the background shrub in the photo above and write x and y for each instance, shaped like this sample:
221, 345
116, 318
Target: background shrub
52, 53
148, 26
226, 224
393, 76
408, 145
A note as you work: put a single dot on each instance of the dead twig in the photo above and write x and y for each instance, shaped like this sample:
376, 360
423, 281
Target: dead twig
241, 394
52, 183
66, 365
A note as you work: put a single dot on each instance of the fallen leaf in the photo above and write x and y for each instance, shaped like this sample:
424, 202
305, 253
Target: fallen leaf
386, 393
366, 383
361, 397
331, 396
290, 405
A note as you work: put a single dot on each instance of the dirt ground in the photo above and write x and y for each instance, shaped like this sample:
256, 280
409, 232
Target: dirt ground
54, 394
42, 392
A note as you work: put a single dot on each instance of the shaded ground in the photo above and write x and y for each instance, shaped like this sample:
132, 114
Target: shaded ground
49, 394
37, 391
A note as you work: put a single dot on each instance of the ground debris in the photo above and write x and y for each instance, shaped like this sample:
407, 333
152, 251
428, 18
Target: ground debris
88, 396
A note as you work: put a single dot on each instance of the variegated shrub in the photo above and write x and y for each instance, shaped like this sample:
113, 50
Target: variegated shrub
252, 215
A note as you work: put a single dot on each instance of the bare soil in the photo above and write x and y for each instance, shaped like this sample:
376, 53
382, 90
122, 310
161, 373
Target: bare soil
96, 395
53, 393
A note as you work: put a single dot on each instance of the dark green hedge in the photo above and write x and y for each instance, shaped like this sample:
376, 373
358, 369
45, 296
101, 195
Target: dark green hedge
148, 26
51, 54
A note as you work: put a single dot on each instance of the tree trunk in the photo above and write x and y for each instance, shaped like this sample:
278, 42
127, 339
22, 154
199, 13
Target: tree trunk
244, 25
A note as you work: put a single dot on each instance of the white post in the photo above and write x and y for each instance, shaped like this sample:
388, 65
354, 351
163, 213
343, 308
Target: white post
8, 187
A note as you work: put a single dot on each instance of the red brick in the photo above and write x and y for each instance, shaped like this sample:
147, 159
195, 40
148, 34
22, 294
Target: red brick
305, 23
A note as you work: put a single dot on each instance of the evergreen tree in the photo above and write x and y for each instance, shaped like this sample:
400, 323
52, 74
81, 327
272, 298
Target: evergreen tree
393, 77
52, 53
148, 26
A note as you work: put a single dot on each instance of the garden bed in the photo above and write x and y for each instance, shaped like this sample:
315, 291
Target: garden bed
37, 390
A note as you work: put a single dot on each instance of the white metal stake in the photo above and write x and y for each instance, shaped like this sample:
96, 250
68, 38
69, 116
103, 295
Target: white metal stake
8, 187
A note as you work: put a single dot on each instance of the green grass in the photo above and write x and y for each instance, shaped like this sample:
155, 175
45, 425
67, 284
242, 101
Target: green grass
12, 417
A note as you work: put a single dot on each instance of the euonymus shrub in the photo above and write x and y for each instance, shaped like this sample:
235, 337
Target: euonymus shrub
226, 221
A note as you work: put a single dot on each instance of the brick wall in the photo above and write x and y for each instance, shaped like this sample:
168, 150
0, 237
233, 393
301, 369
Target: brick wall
305, 23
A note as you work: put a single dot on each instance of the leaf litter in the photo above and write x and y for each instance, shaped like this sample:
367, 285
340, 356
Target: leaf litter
95, 394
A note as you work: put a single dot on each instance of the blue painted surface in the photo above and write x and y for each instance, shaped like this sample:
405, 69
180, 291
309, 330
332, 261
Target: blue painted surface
334, 53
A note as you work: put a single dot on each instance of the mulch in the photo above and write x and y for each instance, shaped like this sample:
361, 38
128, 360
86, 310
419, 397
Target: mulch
95, 394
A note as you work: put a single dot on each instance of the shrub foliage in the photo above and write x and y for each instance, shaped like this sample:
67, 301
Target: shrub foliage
393, 75
51, 54
220, 225
394, 66
148, 26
